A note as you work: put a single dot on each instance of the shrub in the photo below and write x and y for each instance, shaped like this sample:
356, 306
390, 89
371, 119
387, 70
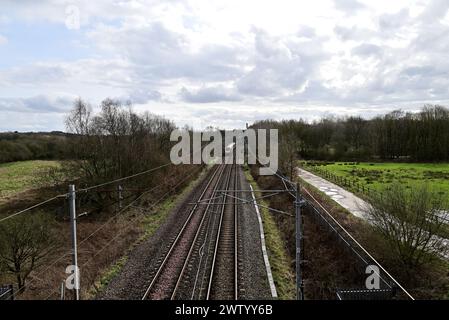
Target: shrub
408, 220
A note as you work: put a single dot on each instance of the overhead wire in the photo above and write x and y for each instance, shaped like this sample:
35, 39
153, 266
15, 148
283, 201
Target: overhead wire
130, 222
65, 195
33, 207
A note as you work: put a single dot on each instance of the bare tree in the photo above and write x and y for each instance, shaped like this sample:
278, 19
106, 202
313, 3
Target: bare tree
79, 119
114, 143
409, 220
421, 136
288, 151
24, 243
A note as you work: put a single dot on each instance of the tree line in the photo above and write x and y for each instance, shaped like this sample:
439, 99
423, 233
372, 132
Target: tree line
421, 136
113, 143
116, 142
15, 146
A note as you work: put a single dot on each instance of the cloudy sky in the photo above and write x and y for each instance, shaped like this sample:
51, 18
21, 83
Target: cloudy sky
221, 63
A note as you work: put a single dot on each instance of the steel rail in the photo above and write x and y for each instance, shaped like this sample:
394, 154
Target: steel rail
218, 239
236, 262
181, 232
192, 246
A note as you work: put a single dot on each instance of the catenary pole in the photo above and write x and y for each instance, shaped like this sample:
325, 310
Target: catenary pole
299, 282
72, 207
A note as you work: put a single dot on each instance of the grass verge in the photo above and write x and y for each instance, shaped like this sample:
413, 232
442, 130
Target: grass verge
280, 262
153, 221
378, 176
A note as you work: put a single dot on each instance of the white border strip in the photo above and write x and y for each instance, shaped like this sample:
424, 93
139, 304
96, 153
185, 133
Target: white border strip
274, 293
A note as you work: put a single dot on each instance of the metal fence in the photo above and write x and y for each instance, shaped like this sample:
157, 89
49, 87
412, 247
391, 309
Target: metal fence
380, 294
388, 286
349, 183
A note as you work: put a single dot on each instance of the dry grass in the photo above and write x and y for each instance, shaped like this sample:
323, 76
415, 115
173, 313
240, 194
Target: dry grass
104, 239
329, 266
94, 255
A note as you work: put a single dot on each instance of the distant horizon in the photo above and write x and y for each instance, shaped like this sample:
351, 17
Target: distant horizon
323, 116
222, 62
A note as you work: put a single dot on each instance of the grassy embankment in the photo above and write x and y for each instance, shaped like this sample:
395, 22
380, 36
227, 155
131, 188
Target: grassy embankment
16, 177
364, 178
435, 283
22, 177
150, 224
280, 262
378, 176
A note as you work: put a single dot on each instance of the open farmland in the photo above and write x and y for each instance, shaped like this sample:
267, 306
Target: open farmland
16, 177
378, 176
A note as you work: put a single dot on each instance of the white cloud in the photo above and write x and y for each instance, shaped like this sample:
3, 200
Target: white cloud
140, 96
209, 94
348, 5
367, 49
159, 53
3, 40
231, 57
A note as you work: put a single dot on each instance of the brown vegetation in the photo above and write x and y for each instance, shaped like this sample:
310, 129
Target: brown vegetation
110, 145
426, 281
328, 265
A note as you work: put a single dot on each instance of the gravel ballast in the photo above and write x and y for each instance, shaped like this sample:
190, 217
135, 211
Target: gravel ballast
132, 280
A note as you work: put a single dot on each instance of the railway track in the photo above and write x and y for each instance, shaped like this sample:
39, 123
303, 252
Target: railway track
167, 278
223, 280
202, 262
211, 223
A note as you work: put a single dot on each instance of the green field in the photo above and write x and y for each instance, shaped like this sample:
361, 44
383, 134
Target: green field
378, 176
19, 176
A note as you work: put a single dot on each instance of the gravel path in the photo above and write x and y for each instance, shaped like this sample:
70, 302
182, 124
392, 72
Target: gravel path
254, 280
344, 198
350, 201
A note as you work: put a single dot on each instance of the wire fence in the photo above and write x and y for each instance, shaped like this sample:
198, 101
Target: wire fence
351, 184
344, 237
390, 287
